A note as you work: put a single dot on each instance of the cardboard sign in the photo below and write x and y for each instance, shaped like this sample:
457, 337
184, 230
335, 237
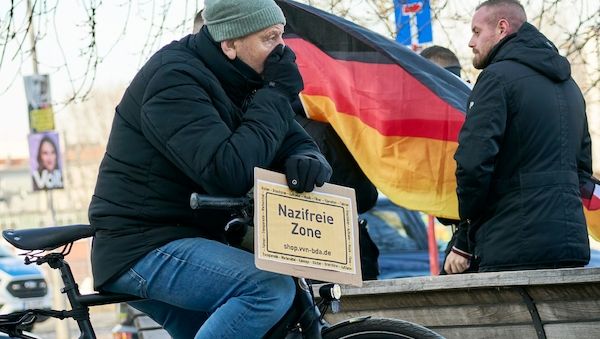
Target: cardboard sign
311, 235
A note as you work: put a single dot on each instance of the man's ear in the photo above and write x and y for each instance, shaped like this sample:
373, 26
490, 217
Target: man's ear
503, 27
228, 49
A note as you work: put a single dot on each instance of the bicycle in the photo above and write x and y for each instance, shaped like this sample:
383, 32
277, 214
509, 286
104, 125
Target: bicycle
304, 320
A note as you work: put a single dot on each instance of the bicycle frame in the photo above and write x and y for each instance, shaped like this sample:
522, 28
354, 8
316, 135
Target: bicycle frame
36, 242
303, 320
305, 316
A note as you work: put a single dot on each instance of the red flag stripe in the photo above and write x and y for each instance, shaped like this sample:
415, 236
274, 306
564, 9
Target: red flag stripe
593, 202
378, 93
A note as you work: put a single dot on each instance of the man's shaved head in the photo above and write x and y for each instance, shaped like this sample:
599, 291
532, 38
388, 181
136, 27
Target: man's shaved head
510, 10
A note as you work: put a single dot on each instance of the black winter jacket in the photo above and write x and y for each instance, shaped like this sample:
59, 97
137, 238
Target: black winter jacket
190, 121
522, 151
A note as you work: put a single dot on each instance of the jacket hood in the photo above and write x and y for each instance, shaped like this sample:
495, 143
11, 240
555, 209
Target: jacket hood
531, 48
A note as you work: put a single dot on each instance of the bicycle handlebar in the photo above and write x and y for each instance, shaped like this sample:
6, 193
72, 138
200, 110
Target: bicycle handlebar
203, 201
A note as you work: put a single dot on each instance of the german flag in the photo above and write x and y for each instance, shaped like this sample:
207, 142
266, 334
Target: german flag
398, 113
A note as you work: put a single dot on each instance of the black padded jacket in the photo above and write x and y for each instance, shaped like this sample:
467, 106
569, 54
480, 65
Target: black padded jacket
190, 121
523, 150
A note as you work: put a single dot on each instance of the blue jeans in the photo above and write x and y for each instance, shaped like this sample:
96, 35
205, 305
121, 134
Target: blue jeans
199, 288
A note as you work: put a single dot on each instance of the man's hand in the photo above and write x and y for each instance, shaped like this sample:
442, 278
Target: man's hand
281, 72
305, 171
456, 262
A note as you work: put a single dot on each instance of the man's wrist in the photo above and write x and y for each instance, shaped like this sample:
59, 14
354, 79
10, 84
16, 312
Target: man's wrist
461, 253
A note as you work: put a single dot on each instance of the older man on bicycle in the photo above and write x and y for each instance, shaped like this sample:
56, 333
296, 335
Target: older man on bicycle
198, 117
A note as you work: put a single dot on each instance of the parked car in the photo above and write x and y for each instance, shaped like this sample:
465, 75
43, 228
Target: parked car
401, 236
21, 286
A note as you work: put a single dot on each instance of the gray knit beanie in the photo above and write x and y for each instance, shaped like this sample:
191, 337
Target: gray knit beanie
230, 19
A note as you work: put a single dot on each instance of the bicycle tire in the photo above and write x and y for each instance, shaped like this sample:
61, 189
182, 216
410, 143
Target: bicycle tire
379, 328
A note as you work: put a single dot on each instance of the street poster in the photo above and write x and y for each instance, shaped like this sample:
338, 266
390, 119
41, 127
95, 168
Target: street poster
413, 22
39, 103
311, 235
45, 161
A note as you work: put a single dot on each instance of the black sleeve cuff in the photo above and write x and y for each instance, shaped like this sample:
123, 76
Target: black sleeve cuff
461, 241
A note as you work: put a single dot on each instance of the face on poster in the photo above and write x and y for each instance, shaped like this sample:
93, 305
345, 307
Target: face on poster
45, 161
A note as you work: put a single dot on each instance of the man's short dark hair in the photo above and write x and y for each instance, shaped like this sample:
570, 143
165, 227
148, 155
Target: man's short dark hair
500, 2
443, 57
511, 10
440, 55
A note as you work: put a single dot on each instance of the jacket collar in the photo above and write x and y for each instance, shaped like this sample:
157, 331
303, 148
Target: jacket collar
237, 78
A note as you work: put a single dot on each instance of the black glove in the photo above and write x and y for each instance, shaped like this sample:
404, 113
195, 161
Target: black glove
305, 171
281, 72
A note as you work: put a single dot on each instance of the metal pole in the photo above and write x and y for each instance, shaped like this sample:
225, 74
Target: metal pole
434, 257
50, 199
61, 327
32, 38
58, 300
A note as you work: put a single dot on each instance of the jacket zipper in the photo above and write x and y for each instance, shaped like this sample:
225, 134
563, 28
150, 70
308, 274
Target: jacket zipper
248, 100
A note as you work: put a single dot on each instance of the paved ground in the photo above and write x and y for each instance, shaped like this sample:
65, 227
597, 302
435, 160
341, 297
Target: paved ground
104, 318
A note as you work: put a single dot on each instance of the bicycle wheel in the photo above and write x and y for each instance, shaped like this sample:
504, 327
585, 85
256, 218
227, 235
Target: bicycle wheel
378, 328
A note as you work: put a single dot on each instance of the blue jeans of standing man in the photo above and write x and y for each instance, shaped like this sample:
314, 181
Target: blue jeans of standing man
199, 288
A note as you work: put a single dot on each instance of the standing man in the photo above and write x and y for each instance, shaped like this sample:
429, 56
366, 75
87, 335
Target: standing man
445, 58
199, 116
523, 151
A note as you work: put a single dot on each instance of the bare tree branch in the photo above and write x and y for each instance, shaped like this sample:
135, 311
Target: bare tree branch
43, 21
575, 33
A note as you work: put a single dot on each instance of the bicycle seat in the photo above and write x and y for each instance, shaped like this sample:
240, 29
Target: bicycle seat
46, 238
